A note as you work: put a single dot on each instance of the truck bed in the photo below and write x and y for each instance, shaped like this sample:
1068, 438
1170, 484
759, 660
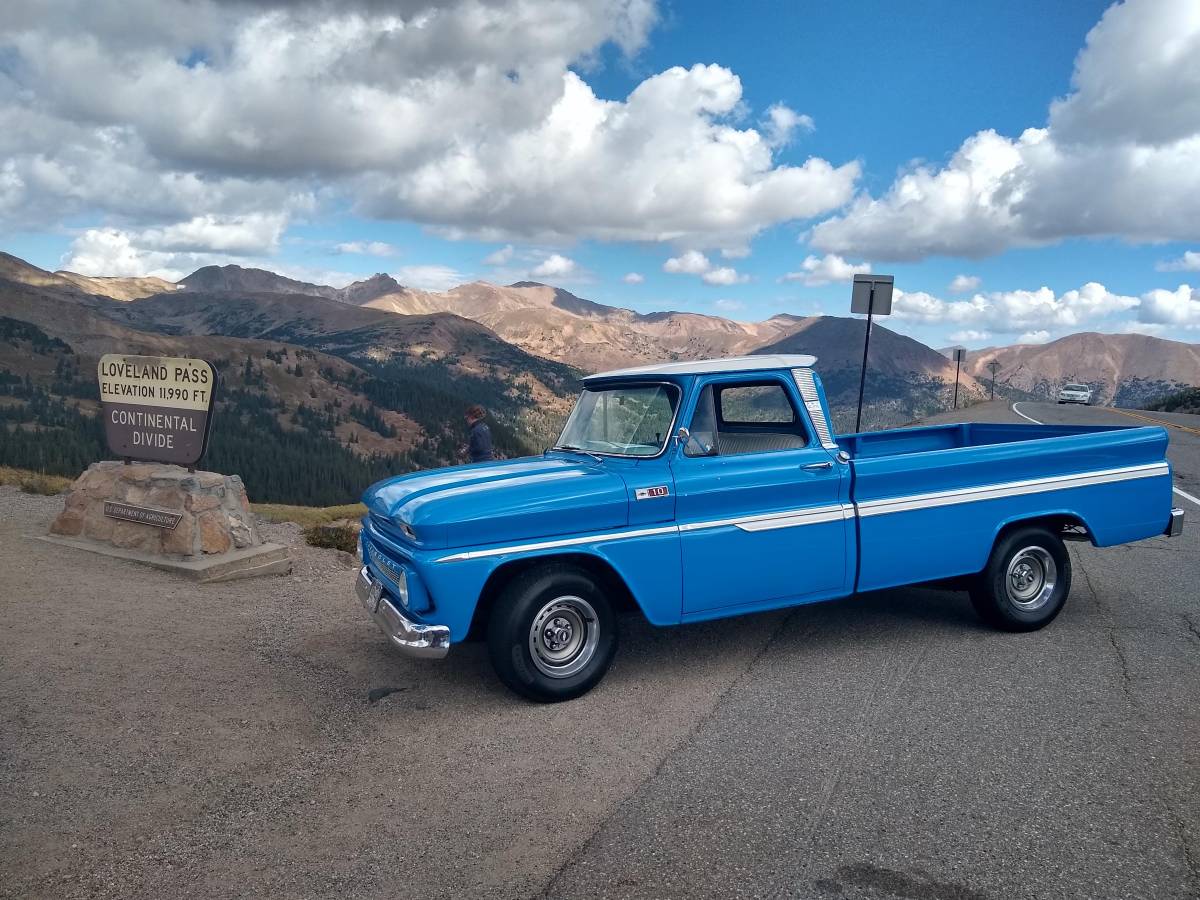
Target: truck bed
930, 501
868, 445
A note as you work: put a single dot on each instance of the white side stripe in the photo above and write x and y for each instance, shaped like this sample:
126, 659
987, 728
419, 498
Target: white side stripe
1009, 489
1182, 493
818, 514
560, 542
786, 519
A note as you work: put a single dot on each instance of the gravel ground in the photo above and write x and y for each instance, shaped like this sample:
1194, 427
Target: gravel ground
160, 738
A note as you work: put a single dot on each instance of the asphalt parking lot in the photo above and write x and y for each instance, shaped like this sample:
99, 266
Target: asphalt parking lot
159, 738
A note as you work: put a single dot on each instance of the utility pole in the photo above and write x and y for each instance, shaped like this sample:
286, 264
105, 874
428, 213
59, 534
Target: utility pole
871, 294
993, 367
960, 353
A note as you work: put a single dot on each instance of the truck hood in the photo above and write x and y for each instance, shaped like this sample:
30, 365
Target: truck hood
512, 500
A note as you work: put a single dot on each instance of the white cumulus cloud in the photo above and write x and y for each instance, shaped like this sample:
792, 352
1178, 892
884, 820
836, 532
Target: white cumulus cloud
828, 269
964, 284
174, 250
499, 257
970, 335
429, 278
1034, 337
1119, 156
693, 262
1011, 312
554, 266
1180, 307
1189, 262
633, 278
724, 275
367, 248
467, 116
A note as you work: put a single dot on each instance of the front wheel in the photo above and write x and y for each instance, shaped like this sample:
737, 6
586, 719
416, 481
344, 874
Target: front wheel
1026, 581
552, 634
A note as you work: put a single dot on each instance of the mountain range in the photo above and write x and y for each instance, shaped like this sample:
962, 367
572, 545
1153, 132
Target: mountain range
334, 386
907, 377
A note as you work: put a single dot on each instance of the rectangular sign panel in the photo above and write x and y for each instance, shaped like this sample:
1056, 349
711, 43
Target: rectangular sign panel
879, 303
156, 408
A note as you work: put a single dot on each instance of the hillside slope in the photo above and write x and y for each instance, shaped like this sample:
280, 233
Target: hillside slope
1123, 369
300, 424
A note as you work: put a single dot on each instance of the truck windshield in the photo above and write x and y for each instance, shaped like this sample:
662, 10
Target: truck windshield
1077, 387
625, 420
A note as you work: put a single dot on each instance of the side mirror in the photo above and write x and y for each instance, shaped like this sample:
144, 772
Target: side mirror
683, 435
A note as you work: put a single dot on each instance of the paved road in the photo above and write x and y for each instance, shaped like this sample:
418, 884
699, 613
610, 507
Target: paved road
165, 739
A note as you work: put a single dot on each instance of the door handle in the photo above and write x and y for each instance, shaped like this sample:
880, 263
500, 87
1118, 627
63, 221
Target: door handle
818, 465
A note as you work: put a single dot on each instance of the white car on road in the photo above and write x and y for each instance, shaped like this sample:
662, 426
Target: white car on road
1075, 393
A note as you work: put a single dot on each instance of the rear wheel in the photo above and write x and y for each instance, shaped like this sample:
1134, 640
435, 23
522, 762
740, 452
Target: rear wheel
1026, 581
552, 634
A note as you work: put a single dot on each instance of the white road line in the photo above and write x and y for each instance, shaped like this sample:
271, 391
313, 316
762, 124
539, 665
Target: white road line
1184, 494
1023, 416
1187, 496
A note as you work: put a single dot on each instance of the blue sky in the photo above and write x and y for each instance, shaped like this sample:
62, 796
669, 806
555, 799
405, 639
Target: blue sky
710, 152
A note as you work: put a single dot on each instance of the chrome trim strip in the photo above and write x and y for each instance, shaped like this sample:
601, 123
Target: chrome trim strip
935, 499
561, 542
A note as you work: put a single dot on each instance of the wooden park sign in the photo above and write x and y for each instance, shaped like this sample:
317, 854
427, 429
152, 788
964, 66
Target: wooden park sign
156, 408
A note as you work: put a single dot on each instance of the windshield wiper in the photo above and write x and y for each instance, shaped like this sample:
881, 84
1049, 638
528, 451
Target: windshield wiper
596, 456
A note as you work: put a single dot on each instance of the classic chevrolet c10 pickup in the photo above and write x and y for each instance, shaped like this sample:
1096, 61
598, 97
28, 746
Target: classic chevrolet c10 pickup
693, 491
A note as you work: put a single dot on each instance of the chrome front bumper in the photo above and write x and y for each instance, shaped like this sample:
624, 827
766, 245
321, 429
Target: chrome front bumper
1175, 526
413, 638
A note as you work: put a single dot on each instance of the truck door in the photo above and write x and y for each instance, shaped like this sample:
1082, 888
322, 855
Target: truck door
758, 500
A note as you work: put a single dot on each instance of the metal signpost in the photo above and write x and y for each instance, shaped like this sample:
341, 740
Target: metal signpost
157, 408
872, 296
960, 353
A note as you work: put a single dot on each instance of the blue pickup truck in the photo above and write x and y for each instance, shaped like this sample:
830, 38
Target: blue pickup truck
699, 490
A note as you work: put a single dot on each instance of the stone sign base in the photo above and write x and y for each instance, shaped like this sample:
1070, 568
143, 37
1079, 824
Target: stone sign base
196, 523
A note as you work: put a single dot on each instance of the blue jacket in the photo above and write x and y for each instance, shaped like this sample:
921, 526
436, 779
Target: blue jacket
479, 445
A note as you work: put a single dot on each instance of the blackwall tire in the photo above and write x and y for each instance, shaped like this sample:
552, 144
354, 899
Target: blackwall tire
552, 634
1026, 581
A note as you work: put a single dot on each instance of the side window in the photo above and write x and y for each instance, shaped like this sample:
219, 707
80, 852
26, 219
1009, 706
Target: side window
756, 404
754, 417
703, 441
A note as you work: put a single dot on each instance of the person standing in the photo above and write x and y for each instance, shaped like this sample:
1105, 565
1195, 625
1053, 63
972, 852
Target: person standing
479, 442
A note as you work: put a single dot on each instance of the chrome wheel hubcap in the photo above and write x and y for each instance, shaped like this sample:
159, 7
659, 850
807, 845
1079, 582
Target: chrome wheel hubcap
563, 636
1031, 577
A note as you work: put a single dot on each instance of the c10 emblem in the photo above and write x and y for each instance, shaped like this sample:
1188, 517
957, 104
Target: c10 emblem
651, 492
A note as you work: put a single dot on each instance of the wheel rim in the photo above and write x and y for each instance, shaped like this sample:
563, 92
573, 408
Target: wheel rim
1031, 577
563, 636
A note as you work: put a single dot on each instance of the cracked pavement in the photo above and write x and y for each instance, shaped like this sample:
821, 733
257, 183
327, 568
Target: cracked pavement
160, 738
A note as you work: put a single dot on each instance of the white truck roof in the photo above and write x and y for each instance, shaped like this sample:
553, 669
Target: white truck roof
713, 366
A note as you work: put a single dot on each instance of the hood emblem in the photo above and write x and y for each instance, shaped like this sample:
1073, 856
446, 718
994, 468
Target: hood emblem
651, 492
